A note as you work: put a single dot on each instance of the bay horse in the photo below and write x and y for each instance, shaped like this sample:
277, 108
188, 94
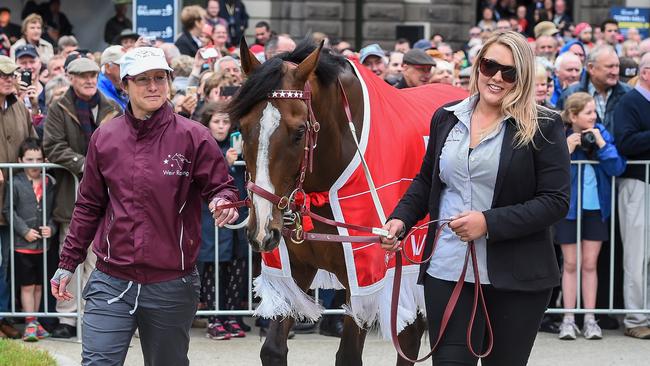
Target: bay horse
279, 141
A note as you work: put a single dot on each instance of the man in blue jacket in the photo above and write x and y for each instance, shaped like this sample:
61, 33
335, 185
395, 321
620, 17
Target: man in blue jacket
602, 82
632, 132
109, 79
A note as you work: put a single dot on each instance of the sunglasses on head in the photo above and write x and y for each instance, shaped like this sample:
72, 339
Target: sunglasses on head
489, 68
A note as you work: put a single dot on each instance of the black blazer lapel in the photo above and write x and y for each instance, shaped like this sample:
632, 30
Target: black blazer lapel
505, 158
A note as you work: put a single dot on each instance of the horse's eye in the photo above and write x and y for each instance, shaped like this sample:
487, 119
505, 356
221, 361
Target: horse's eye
299, 134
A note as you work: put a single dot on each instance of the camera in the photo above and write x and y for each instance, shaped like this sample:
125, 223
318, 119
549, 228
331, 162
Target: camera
588, 141
26, 77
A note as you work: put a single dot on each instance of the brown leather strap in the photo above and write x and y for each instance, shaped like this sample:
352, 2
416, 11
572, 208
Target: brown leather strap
451, 304
241, 203
329, 237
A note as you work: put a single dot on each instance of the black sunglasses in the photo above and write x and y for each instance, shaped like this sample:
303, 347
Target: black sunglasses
489, 68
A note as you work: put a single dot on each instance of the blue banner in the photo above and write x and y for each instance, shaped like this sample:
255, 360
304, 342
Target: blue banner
632, 18
156, 18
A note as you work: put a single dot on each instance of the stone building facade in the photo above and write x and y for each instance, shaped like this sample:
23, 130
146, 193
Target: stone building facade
379, 18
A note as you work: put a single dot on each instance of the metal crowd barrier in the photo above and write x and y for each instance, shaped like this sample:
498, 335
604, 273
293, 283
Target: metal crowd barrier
9, 185
612, 242
249, 310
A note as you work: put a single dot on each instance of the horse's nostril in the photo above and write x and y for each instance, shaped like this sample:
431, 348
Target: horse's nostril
271, 240
275, 235
255, 245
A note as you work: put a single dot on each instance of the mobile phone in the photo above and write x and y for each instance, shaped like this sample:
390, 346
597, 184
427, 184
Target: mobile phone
26, 77
211, 52
190, 91
236, 142
228, 91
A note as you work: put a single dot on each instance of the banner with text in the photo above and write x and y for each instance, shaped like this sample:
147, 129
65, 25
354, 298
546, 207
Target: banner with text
156, 18
627, 18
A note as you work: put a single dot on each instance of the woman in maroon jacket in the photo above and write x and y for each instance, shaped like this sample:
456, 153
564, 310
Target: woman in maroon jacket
139, 204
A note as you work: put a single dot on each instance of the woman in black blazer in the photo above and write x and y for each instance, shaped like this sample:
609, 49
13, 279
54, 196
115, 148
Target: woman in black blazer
497, 165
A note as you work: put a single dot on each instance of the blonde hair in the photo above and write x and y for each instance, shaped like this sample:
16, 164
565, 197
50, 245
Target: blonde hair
190, 15
31, 18
575, 103
519, 103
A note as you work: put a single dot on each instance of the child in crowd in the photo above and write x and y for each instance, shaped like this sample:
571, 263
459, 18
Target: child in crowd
28, 194
587, 140
233, 246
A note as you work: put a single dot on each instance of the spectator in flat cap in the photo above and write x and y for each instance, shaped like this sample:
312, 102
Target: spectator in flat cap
69, 124
374, 58
109, 78
546, 44
416, 69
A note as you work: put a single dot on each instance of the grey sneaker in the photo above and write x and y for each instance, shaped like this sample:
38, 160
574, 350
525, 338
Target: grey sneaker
591, 330
569, 331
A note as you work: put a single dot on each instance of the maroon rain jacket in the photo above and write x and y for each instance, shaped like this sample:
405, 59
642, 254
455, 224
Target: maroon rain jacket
139, 201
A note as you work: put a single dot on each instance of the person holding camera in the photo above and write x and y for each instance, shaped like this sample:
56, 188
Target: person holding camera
16, 127
586, 140
29, 87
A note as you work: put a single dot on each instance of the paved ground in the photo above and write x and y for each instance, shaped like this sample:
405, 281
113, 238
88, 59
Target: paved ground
316, 350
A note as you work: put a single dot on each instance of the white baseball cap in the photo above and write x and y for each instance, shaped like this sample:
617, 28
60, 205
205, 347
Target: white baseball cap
141, 59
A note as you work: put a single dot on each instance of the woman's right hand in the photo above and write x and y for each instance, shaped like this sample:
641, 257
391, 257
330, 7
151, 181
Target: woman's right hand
573, 141
394, 228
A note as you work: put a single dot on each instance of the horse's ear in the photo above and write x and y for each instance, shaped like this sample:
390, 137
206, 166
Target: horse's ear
249, 62
308, 65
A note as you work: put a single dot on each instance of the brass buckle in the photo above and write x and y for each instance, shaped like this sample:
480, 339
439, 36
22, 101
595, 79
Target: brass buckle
316, 126
297, 235
283, 203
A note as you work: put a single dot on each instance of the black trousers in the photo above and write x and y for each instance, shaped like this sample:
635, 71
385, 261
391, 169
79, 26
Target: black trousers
514, 315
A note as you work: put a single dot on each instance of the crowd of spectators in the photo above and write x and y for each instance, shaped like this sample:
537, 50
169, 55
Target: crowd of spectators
57, 94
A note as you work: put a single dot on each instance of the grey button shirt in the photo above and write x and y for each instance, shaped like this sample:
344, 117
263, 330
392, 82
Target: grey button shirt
469, 180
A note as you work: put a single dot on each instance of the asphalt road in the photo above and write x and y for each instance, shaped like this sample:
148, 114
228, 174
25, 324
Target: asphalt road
316, 350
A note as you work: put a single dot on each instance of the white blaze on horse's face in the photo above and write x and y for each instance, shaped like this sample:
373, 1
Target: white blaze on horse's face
263, 207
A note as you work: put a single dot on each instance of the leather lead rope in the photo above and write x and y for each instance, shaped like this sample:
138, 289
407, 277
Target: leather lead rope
451, 304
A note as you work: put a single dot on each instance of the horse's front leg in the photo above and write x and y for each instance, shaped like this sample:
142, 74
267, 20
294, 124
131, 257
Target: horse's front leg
410, 339
351, 346
274, 350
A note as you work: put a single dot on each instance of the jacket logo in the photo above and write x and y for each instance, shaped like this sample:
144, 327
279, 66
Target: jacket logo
175, 164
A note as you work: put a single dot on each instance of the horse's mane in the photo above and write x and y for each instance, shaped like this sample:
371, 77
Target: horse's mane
268, 76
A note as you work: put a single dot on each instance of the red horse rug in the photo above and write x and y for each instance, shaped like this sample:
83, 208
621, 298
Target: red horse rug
393, 142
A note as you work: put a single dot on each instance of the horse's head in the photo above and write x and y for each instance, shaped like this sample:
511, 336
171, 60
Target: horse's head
275, 133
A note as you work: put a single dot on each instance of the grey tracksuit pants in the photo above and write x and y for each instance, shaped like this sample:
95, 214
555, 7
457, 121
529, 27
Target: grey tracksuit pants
162, 312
